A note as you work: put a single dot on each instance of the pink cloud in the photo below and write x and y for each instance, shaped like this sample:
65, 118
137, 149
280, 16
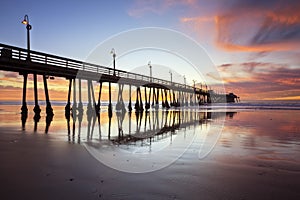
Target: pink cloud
256, 80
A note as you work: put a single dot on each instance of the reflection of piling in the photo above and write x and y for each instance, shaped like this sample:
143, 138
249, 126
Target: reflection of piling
109, 127
49, 118
129, 121
68, 126
80, 116
120, 118
24, 119
36, 119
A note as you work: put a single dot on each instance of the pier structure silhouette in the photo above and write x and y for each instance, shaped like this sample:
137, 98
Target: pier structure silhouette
171, 94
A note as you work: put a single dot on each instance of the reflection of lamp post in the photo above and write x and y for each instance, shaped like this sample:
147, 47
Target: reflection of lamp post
171, 75
149, 64
28, 27
113, 52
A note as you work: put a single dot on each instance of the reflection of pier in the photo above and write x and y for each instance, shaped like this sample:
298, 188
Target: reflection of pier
147, 88
144, 126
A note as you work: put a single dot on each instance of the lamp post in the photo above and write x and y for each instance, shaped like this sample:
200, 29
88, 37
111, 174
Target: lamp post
184, 81
171, 75
28, 27
113, 52
150, 67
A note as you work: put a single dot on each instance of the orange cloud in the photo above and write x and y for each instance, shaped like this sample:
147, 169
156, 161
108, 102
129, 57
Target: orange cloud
285, 17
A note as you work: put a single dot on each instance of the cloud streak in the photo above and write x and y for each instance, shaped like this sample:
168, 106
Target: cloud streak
143, 7
253, 26
271, 28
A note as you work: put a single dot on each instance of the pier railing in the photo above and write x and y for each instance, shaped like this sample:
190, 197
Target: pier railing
12, 52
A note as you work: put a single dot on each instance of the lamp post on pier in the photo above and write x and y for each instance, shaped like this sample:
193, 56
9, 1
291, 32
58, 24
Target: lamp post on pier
171, 75
149, 64
184, 81
28, 27
113, 52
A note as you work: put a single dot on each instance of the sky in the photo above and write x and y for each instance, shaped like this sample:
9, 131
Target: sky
254, 45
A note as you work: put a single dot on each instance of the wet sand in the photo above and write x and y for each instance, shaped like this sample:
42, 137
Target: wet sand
40, 166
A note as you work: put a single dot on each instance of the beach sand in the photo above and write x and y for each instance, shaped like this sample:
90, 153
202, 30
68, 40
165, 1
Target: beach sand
40, 166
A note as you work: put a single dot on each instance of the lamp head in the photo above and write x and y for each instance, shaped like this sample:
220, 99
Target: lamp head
113, 52
25, 20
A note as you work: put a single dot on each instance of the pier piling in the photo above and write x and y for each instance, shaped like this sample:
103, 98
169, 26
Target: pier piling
49, 110
36, 108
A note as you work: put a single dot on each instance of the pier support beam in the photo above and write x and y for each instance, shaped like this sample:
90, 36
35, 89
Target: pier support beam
155, 97
139, 102
24, 108
130, 104
120, 103
162, 99
74, 107
90, 96
147, 100
109, 104
166, 99
49, 109
68, 106
93, 95
186, 99
80, 106
36, 108
191, 99
97, 107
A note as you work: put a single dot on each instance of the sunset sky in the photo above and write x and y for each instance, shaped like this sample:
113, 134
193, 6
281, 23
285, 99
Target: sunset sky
255, 45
